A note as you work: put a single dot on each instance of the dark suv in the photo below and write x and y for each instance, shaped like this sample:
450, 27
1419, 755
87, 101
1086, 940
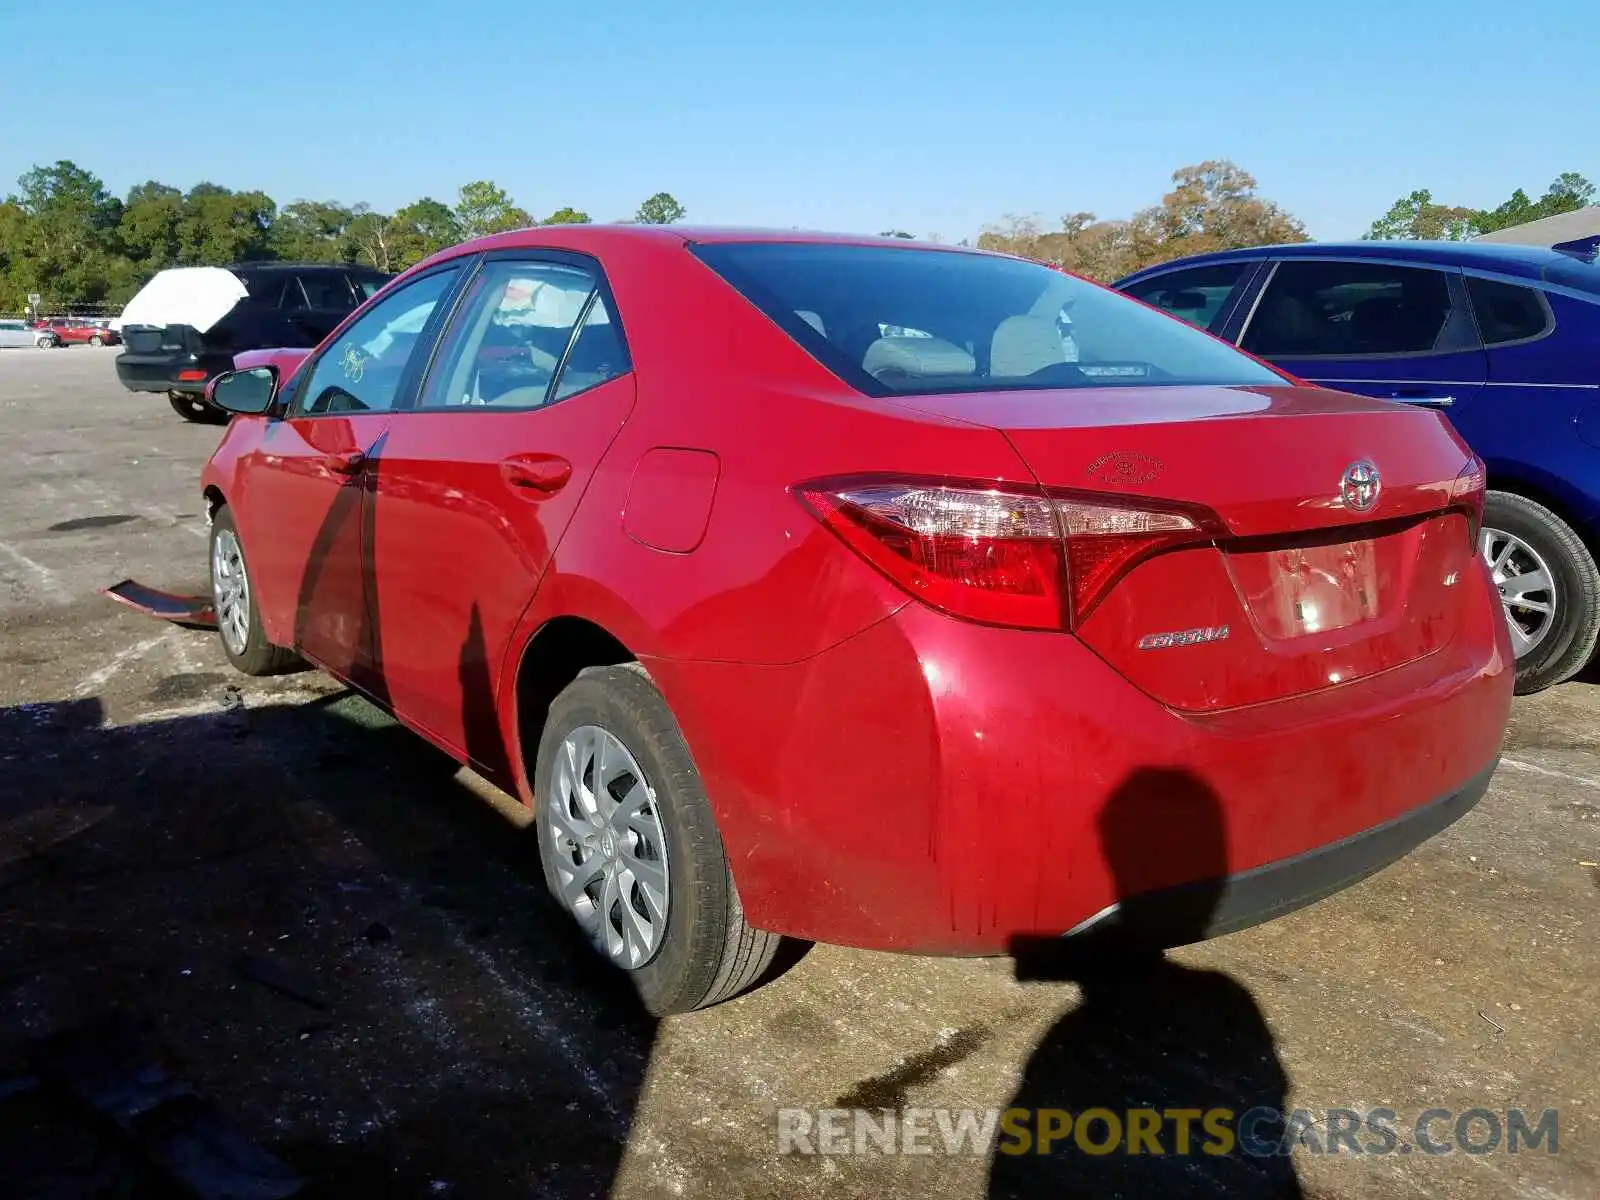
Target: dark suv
286, 305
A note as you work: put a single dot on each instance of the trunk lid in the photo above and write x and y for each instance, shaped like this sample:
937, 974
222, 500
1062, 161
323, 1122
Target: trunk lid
1298, 587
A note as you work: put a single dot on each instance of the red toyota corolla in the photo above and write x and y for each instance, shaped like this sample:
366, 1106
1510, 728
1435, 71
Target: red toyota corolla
895, 595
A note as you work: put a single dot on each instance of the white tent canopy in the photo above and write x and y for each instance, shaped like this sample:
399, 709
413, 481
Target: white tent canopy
194, 296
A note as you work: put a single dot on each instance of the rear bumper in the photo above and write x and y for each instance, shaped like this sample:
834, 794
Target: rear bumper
940, 787
1209, 908
159, 372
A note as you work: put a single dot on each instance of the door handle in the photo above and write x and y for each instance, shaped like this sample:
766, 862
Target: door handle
541, 475
1426, 401
344, 462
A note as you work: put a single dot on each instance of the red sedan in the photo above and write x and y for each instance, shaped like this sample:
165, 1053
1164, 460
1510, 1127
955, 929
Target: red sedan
895, 595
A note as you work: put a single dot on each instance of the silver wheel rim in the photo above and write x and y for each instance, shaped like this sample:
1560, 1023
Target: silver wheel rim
607, 846
230, 590
1527, 588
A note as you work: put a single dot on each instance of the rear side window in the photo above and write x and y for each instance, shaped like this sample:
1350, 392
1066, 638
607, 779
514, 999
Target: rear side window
1349, 310
1198, 295
1507, 312
911, 320
328, 290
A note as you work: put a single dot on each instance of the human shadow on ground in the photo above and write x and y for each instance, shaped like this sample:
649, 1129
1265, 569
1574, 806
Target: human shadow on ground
1148, 1032
336, 940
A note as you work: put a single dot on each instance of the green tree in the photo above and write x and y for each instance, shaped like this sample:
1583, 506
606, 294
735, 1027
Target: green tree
486, 208
1417, 217
218, 226
1567, 193
422, 228
149, 226
566, 216
312, 231
65, 239
895, 233
660, 209
371, 238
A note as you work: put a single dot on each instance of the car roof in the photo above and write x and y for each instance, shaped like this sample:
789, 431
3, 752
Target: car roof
1489, 256
276, 265
616, 234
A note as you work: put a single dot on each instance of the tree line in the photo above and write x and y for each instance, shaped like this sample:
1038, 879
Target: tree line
1419, 216
1212, 206
66, 237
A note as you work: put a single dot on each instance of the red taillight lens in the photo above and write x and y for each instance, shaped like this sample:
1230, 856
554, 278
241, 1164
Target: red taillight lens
1104, 540
191, 376
1469, 488
987, 555
1002, 556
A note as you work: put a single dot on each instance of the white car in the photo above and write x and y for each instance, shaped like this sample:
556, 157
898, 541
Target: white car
14, 333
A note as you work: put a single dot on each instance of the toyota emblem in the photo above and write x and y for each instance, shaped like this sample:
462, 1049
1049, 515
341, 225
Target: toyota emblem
1360, 485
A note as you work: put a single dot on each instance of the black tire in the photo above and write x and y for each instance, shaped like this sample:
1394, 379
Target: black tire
1570, 642
257, 656
708, 953
192, 408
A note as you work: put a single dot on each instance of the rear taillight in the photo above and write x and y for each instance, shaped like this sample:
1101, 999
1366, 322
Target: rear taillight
191, 376
1104, 540
1468, 490
998, 555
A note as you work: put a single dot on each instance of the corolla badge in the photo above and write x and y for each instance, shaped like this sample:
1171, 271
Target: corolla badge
1360, 485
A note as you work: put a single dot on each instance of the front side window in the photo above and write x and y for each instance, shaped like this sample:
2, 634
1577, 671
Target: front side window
1198, 295
515, 333
363, 369
1349, 310
1507, 312
914, 320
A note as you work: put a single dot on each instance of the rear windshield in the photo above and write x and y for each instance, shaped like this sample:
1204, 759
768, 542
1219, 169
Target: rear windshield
902, 320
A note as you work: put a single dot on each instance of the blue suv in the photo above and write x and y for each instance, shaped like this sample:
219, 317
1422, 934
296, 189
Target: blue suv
1505, 338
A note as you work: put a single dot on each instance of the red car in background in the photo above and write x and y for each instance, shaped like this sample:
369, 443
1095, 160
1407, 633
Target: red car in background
75, 331
903, 596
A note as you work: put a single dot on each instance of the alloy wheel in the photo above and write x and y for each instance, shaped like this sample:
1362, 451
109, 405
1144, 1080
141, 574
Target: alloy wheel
608, 847
230, 590
1527, 588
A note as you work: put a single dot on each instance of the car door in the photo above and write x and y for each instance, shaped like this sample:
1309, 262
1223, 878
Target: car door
1386, 329
306, 514
479, 479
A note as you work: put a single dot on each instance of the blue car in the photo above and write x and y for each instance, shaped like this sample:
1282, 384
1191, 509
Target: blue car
1505, 338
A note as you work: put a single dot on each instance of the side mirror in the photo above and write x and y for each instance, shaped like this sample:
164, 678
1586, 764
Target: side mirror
251, 391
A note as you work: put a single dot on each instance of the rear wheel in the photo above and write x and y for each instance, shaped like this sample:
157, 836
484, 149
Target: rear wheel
630, 848
234, 601
97, 340
1549, 587
192, 408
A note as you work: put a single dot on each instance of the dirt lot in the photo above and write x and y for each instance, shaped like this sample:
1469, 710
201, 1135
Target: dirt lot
341, 942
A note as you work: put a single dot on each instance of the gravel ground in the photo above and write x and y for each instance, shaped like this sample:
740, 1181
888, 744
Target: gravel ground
340, 940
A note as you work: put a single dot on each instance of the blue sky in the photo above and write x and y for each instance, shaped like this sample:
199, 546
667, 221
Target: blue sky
936, 117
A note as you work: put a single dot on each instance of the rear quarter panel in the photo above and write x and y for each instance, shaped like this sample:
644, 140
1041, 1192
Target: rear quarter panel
1537, 422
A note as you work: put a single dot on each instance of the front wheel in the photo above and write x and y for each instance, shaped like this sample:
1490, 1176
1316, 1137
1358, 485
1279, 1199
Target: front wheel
233, 599
1549, 587
630, 847
97, 340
